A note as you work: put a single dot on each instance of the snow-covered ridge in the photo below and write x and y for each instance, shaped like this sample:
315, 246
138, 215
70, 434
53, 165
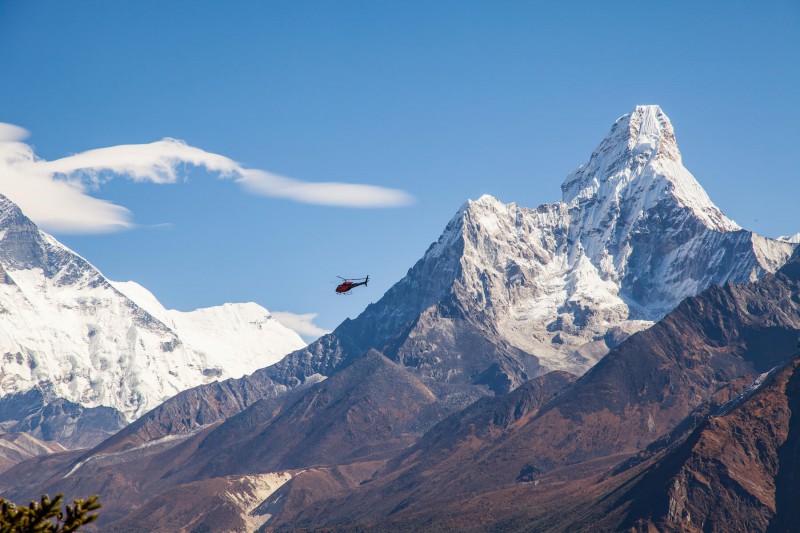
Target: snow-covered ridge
243, 328
66, 328
795, 239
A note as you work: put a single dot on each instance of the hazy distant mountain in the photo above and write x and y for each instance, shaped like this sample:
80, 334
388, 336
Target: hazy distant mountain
70, 333
57, 420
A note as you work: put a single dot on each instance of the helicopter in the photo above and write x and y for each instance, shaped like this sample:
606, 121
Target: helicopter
347, 284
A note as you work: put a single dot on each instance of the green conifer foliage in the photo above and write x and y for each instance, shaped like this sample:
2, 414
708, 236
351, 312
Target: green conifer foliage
47, 516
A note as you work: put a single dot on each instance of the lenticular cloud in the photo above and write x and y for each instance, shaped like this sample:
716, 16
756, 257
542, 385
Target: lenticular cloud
55, 194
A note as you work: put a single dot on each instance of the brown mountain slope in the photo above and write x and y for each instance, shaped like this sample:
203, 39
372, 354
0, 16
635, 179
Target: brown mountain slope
17, 447
229, 504
723, 476
710, 347
452, 442
736, 471
189, 411
368, 410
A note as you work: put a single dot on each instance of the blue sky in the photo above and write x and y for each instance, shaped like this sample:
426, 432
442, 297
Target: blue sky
443, 100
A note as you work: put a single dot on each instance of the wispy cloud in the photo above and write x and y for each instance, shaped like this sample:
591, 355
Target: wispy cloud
321, 193
56, 194
303, 324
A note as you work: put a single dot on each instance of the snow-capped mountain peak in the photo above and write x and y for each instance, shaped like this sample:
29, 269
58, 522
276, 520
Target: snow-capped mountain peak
66, 328
507, 292
634, 235
486, 199
639, 165
650, 130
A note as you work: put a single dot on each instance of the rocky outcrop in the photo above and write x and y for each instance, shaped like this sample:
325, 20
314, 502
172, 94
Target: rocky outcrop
733, 472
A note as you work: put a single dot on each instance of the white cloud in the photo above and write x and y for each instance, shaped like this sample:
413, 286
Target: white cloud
60, 205
303, 324
12, 133
155, 162
55, 194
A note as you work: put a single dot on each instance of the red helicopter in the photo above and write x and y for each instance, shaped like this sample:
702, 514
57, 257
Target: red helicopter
348, 284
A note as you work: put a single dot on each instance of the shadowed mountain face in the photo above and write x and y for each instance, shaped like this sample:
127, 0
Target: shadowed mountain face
58, 420
658, 388
340, 432
370, 408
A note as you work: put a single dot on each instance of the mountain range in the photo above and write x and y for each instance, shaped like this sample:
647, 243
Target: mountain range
623, 359
508, 293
